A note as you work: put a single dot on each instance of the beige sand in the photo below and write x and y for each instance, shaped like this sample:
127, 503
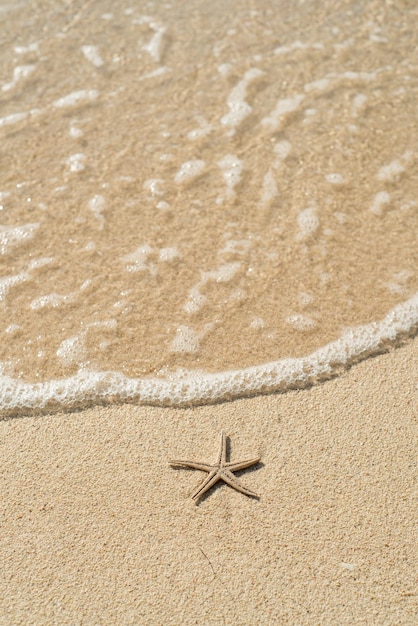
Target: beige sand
98, 529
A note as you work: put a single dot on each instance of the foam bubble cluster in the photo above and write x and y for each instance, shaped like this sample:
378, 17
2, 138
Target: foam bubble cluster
11, 236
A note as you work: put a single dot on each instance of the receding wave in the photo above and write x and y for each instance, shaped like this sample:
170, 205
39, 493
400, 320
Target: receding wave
200, 205
87, 388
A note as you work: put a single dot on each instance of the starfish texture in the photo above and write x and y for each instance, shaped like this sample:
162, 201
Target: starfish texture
221, 470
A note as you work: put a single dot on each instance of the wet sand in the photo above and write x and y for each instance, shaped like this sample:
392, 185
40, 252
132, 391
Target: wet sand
201, 189
97, 528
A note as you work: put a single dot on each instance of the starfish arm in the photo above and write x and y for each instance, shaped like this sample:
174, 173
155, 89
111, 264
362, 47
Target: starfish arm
239, 465
199, 466
233, 481
206, 485
222, 451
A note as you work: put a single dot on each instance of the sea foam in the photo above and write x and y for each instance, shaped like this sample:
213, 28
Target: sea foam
88, 387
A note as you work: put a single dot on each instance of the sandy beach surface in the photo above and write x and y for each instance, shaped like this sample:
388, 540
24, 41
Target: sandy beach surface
188, 191
97, 528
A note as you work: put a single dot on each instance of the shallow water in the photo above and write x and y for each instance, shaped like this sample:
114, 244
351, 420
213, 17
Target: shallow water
187, 190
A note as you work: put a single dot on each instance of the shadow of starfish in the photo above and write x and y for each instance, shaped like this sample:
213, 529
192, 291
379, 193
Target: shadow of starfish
221, 470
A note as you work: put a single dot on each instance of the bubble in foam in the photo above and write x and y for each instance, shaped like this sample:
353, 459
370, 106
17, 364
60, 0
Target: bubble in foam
236, 246
335, 179
11, 236
52, 300
153, 185
97, 205
380, 201
392, 172
359, 102
257, 323
7, 282
301, 322
321, 84
239, 109
231, 167
204, 129
168, 254
75, 131
223, 274
282, 149
186, 340
189, 170
195, 300
76, 162
277, 118
270, 189
92, 54
398, 284
20, 72
33, 47
224, 69
305, 298
308, 223
13, 118
37, 263
137, 261
72, 350
154, 46
340, 217
84, 96
12, 329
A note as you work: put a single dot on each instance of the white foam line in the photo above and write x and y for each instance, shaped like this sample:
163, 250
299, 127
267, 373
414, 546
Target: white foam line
239, 109
92, 54
14, 118
87, 388
298, 45
276, 120
75, 98
154, 46
20, 72
158, 72
10, 281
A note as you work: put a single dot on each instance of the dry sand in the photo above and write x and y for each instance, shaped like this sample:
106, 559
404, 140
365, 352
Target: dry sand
96, 528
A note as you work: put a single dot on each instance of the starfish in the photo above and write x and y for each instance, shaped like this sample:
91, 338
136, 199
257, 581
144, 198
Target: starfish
221, 470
